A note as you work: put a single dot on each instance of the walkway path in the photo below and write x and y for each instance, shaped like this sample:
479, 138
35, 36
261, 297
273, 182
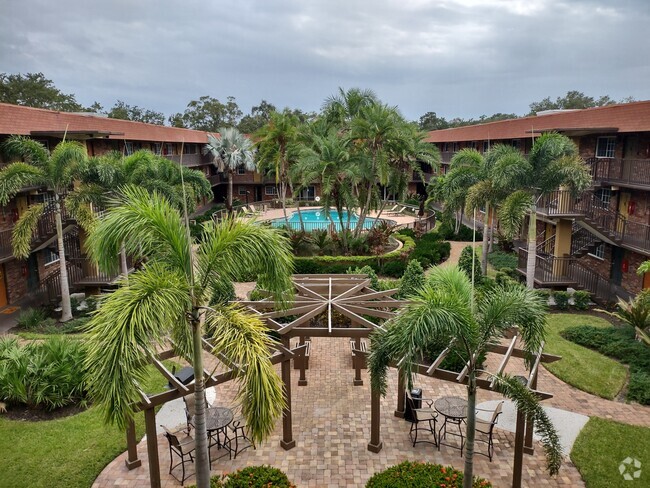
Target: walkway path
331, 422
454, 254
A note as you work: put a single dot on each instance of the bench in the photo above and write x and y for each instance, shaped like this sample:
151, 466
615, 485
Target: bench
297, 362
362, 347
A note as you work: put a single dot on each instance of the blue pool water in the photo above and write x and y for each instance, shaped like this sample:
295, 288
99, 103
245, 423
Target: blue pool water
317, 220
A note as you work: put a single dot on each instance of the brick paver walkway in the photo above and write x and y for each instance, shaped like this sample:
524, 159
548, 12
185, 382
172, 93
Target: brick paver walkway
331, 425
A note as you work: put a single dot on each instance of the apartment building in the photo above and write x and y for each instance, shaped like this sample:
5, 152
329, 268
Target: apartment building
597, 240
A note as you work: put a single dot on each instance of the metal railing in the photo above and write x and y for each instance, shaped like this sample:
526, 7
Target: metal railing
633, 172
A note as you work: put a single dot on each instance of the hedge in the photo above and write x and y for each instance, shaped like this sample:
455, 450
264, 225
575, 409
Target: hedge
421, 475
252, 476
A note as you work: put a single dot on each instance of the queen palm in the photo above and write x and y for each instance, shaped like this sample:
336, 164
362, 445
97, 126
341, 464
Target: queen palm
445, 310
553, 162
173, 297
57, 172
234, 150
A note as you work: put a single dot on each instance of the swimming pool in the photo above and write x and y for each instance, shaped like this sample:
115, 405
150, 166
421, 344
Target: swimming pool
317, 220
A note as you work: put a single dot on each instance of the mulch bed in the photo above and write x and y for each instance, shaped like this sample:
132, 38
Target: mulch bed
22, 412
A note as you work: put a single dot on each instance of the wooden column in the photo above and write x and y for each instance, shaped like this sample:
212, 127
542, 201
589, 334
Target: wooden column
401, 391
519, 450
302, 381
132, 460
152, 447
357, 363
287, 441
375, 443
528, 441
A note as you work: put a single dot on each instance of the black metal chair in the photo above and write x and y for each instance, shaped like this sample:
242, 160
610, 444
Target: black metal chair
183, 446
484, 429
426, 416
239, 441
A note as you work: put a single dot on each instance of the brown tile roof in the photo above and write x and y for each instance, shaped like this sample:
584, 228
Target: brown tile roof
15, 119
627, 117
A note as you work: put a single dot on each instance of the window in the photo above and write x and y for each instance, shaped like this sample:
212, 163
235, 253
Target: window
599, 252
189, 149
241, 190
471, 144
156, 148
456, 146
516, 143
486, 146
241, 170
604, 195
605, 147
446, 147
270, 190
50, 256
169, 149
128, 148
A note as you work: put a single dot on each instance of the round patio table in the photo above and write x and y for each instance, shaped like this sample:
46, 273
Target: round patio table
216, 421
454, 409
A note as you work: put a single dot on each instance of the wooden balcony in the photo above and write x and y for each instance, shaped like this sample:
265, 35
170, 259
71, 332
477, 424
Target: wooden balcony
191, 160
631, 173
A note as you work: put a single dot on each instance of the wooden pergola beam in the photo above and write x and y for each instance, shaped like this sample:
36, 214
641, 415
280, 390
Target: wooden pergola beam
521, 353
289, 311
357, 319
382, 314
506, 358
169, 375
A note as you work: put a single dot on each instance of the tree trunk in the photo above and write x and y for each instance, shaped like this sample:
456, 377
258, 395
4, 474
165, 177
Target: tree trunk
283, 197
532, 248
66, 312
124, 266
366, 208
486, 229
470, 432
491, 247
229, 200
202, 461
302, 224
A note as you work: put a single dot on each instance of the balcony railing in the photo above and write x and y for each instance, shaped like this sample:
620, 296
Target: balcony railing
595, 213
197, 159
5, 244
632, 172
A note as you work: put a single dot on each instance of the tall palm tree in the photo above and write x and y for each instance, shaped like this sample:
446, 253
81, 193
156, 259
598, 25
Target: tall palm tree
340, 109
275, 144
553, 162
173, 297
445, 309
234, 150
57, 172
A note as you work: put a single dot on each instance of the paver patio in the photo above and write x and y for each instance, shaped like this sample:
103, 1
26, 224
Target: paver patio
331, 425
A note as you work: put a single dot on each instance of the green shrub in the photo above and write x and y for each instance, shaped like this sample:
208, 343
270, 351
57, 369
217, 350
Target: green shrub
619, 343
388, 284
32, 318
465, 263
500, 260
47, 374
561, 299
394, 269
374, 280
431, 250
412, 280
446, 231
502, 278
581, 299
252, 476
223, 291
544, 293
421, 475
408, 232
454, 361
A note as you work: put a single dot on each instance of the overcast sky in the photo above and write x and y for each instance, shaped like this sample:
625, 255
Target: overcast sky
455, 57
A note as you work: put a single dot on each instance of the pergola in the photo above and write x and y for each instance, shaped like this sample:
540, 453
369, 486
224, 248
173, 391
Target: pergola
319, 303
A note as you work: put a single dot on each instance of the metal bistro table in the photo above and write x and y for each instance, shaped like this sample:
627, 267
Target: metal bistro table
454, 409
216, 421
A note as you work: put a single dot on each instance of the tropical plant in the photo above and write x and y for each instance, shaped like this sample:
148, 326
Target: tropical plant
170, 298
412, 280
553, 162
57, 171
445, 308
410, 474
469, 263
232, 149
635, 311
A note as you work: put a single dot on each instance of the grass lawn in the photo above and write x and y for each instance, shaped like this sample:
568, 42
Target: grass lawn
603, 445
68, 452
583, 368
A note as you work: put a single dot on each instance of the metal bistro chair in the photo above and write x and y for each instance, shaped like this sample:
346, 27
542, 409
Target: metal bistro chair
427, 416
485, 428
190, 411
240, 440
183, 446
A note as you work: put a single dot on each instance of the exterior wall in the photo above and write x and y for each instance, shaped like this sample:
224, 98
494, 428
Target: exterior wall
631, 281
15, 281
601, 266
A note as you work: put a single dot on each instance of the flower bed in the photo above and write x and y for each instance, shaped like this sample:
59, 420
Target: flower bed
421, 475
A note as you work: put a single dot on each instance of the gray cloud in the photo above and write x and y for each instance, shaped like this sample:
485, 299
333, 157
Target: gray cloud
456, 57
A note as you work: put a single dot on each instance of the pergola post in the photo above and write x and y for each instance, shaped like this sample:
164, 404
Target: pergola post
152, 447
401, 391
357, 363
375, 444
287, 441
302, 361
519, 450
132, 460
528, 441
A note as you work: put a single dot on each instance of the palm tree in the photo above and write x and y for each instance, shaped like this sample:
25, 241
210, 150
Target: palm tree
275, 144
445, 309
340, 109
553, 162
173, 297
57, 172
234, 150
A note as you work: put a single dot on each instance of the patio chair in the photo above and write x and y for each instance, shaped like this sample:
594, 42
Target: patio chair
240, 440
183, 446
190, 411
254, 210
400, 211
485, 428
426, 416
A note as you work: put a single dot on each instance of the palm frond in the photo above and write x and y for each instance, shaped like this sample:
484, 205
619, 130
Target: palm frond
126, 330
26, 149
21, 235
528, 404
569, 171
15, 177
244, 340
64, 162
513, 211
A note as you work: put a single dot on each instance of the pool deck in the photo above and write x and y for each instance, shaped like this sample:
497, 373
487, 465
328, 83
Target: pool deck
277, 213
